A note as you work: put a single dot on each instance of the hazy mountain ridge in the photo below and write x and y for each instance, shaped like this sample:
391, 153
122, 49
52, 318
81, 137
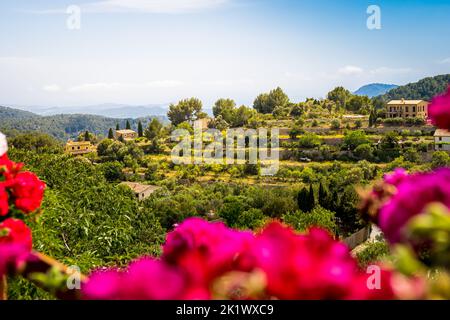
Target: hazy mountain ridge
63, 126
374, 89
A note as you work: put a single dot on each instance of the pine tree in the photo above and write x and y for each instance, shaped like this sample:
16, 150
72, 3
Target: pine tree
117, 127
110, 134
128, 126
121, 139
86, 136
140, 130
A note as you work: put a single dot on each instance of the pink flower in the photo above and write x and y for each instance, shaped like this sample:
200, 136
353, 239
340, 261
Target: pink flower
205, 249
413, 194
439, 110
395, 177
104, 285
12, 257
312, 266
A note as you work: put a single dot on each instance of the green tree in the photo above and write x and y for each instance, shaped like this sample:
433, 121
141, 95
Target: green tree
110, 134
364, 151
186, 110
411, 155
128, 125
305, 199
335, 124
153, 129
140, 130
117, 127
324, 196
318, 217
340, 96
353, 139
440, 159
225, 108
267, 102
86, 136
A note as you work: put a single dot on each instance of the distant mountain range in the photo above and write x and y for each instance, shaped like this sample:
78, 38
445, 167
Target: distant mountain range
64, 126
375, 89
111, 110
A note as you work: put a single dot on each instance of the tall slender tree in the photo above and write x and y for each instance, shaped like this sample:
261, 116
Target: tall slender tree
128, 125
110, 134
140, 130
117, 127
311, 198
86, 136
324, 196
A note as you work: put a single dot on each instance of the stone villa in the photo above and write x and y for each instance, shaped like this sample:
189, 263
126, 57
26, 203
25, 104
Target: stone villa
442, 140
126, 134
79, 147
142, 191
407, 109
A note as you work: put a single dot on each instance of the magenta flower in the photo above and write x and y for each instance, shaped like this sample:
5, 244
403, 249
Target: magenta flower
439, 110
413, 194
395, 177
12, 257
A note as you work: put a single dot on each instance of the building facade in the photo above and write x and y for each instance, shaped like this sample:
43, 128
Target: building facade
141, 191
407, 109
79, 147
126, 134
442, 140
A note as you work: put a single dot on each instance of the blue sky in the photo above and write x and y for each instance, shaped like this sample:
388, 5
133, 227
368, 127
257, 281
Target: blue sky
159, 51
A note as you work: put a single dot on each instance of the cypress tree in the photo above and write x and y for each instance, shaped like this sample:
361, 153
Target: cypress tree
110, 134
324, 196
311, 198
117, 127
302, 199
128, 126
86, 136
140, 130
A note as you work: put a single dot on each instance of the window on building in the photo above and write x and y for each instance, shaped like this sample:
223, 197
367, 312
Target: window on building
414, 109
407, 109
440, 138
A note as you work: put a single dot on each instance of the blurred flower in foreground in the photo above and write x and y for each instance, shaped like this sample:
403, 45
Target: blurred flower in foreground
3, 144
204, 260
439, 110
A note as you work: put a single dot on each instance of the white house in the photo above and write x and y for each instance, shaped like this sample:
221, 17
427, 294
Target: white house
442, 140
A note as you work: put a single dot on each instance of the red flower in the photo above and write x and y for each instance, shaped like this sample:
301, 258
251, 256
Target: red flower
28, 191
14, 231
9, 168
4, 205
439, 110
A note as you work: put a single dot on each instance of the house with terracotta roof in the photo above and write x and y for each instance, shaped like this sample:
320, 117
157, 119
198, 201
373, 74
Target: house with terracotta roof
142, 191
79, 147
442, 140
126, 134
407, 109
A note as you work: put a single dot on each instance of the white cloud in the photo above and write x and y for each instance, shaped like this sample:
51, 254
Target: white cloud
350, 71
445, 61
143, 6
390, 71
52, 88
114, 86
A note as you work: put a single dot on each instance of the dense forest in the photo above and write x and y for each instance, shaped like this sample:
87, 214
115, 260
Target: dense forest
62, 126
424, 89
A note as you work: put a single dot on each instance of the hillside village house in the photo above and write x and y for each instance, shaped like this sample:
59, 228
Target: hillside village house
126, 134
142, 191
407, 109
79, 147
442, 140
